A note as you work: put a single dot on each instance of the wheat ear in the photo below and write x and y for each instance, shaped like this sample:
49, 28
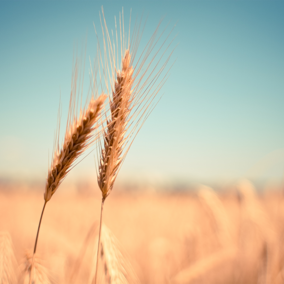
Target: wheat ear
131, 102
7, 260
79, 136
114, 135
77, 139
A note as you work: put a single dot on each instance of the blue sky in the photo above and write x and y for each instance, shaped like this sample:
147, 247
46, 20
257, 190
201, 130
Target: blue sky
221, 115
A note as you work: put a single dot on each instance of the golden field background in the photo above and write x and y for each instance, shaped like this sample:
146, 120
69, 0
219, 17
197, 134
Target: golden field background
234, 236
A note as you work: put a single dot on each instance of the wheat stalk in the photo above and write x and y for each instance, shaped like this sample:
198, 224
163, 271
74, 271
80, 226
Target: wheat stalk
79, 136
114, 140
133, 92
114, 135
7, 260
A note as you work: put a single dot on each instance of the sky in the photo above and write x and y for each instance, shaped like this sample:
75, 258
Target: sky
220, 116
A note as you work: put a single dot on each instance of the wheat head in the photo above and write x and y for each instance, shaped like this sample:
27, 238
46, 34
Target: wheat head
79, 135
116, 127
132, 85
133, 90
77, 138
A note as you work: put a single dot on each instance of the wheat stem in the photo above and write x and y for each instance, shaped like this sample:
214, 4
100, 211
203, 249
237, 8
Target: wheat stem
35, 246
79, 136
99, 242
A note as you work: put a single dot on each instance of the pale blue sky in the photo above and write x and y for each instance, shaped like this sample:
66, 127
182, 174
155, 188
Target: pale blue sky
221, 115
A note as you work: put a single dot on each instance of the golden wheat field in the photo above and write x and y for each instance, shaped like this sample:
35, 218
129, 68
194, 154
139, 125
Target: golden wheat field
137, 236
235, 236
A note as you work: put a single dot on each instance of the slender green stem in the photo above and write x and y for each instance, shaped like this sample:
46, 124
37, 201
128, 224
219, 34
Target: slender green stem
35, 246
99, 242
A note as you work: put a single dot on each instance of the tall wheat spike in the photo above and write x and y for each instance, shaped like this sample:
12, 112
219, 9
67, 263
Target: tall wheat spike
7, 260
79, 135
133, 92
116, 128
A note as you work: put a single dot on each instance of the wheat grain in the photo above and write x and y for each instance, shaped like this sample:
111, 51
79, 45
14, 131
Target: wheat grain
130, 103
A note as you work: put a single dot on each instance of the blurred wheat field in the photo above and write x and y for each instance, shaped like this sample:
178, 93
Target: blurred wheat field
197, 237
